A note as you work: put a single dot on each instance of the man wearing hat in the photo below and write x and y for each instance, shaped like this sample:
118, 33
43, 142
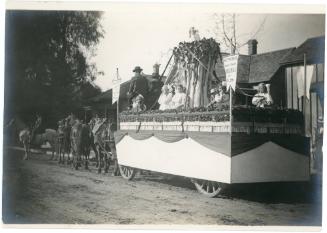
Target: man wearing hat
138, 85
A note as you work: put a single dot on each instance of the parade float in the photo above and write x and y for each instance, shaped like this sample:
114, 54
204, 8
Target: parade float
225, 144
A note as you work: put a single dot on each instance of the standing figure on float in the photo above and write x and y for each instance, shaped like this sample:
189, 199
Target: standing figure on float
138, 86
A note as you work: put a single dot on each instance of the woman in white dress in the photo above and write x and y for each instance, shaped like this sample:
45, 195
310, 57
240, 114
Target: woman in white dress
165, 98
179, 99
263, 97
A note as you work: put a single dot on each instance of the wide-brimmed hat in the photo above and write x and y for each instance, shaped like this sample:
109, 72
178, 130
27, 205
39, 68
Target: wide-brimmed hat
137, 68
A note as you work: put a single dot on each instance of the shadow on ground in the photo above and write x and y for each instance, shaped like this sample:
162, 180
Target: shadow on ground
270, 193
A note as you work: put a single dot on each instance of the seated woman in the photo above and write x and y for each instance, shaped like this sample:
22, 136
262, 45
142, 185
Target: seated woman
165, 98
138, 104
179, 99
218, 96
263, 97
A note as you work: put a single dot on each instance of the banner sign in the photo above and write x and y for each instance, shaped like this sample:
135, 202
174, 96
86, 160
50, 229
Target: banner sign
230, 65
115, 90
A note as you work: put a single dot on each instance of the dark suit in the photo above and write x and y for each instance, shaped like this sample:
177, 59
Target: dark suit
138, 85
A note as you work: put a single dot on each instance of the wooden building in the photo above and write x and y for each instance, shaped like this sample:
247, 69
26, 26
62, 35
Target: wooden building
312, 53
309, 56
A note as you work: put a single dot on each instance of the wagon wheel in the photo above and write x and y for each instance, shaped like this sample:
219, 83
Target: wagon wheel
208, 188
127, 172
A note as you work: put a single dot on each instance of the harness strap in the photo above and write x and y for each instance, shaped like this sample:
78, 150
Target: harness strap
108, 153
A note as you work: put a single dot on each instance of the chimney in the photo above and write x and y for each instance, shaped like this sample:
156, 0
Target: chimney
252, 46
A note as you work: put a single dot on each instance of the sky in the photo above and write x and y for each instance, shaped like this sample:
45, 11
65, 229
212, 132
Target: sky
141, 36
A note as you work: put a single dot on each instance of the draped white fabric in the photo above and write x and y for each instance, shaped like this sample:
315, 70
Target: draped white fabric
194, 77
265, 163
184, 158
299, 75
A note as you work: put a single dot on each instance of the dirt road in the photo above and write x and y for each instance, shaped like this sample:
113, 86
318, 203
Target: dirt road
41, 191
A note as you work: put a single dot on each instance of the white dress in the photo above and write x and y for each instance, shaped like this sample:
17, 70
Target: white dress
165, 101
178, 100
262, 99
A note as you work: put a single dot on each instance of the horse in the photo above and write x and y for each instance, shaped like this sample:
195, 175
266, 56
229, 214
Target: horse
104, 143
64, 141
81, 144
28, 137
102, 150
92, 124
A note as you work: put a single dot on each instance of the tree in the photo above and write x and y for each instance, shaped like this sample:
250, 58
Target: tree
47, 60
226, 31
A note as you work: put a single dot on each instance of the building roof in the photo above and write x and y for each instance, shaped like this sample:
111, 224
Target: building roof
107, 95
264, 66
314, 48
256, 68
103, 96
243, 68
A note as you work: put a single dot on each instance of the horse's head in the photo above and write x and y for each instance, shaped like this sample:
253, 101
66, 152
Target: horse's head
75, 134
107, 130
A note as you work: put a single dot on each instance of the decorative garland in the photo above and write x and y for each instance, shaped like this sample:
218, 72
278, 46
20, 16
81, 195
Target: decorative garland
216, 117
240, 114
221, 107
218, 113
